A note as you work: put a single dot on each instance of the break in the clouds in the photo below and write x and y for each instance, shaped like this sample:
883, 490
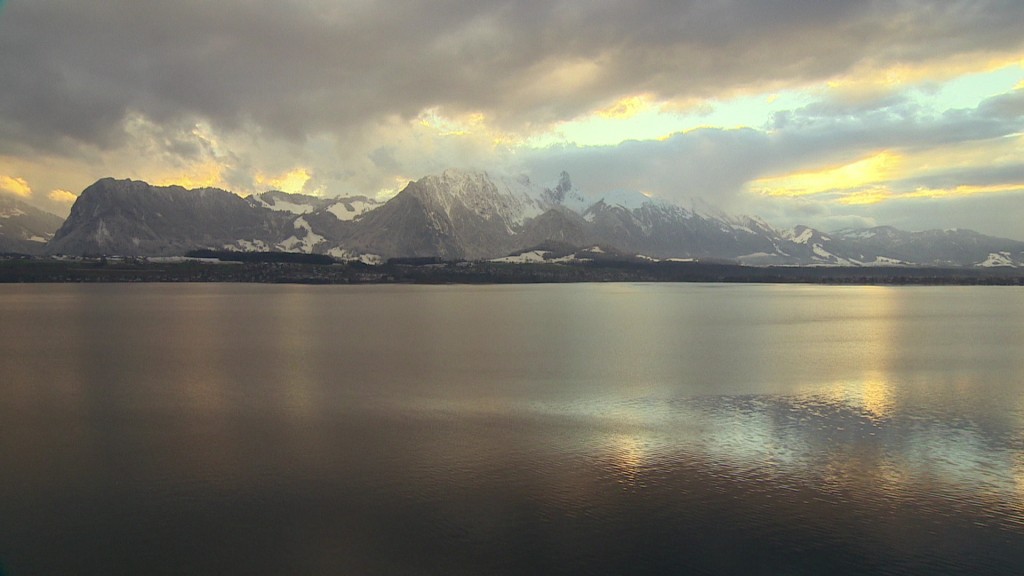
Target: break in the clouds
826, 113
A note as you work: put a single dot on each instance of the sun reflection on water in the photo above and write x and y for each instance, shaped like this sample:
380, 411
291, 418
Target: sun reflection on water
877, 397
628, 454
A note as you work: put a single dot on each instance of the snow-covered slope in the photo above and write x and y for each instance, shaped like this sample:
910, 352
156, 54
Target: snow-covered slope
286, 202
350, 208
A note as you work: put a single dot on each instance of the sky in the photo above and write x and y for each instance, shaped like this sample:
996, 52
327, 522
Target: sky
828, 113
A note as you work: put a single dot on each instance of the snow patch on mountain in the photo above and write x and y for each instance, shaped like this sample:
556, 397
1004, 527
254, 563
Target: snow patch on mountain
628, 199
348, 209
285, 206
242, 245
998, 259
755, 257
857, 234
306, 243
530, 257
802, 238
885, 261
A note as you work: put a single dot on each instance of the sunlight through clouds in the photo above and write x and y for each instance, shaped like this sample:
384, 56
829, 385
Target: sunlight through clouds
872, 195
959, 169
625, 108
475, 126
16, 186
964, 190
860, 173
62, 196
970, 75
294, 181
203, 175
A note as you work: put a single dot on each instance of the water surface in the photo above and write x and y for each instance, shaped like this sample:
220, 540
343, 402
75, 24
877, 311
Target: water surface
571, 429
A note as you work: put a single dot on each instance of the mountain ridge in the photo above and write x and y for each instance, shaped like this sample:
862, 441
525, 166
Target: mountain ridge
24, 228
474, 215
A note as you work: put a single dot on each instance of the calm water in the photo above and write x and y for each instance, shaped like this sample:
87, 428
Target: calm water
578, 429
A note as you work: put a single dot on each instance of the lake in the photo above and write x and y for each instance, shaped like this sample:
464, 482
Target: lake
545, 429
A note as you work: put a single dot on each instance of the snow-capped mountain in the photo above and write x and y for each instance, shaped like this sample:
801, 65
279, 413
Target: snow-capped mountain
345, 208
460, 214
930, 247
24, 229
634, 223
888, 246
477, 215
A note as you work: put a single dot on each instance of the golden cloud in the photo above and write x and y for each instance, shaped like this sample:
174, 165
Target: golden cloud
872, 195
626, 107
859, 174
204, 175
870, 79
62, 196
475, 125
878, 176
16, 186
964, 190
293, 181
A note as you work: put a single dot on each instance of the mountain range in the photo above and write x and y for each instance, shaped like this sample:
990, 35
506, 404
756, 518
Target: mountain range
475, 215
24, 228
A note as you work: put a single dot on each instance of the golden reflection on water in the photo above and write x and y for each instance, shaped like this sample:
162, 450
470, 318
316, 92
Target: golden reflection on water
628, 455
878, 341
872, 338
877, 396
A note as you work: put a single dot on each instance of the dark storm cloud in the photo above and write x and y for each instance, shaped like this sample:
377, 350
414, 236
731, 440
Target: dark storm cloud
73, 70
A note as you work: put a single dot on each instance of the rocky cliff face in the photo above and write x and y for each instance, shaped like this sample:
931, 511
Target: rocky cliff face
132, 218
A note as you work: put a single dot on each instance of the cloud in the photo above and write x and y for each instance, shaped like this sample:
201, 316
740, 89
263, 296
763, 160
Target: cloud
16, 186
75, 71
359, 96
293, 181
856, 175
62, 197
711, 163
996, 214
845, 159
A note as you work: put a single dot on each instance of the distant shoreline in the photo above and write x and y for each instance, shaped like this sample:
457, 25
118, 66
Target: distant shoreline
435, 271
